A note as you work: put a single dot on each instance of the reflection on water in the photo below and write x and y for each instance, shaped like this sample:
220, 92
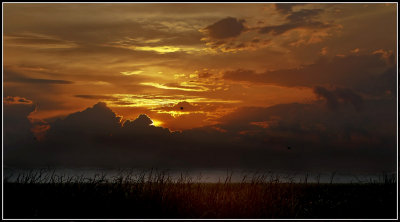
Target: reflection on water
192, 175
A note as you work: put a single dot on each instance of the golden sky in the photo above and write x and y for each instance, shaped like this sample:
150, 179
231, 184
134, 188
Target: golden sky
210, 59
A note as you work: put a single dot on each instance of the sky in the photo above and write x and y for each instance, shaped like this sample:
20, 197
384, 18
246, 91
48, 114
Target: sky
318, 77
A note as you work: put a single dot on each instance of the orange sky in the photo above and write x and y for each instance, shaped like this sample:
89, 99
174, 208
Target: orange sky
209, 59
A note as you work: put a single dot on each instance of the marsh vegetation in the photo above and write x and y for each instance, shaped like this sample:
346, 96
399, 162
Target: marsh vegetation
155, 194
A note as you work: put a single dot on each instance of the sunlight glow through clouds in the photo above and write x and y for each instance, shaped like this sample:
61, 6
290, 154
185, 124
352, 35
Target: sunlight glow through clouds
165, 49
184, 84
152, 101
157, 122
128, 73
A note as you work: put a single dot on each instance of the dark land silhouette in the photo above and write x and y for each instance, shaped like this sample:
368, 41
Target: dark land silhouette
156, 195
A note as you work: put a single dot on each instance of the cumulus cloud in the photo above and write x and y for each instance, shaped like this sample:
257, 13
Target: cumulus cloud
226, 28
98, 119
142, 121
100, 123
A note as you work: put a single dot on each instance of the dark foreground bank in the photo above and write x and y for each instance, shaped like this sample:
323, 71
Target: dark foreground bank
161, 197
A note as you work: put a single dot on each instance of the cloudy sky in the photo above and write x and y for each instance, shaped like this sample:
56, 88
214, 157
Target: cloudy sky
273, 75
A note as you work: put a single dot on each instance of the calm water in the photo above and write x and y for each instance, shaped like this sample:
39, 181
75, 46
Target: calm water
197, 175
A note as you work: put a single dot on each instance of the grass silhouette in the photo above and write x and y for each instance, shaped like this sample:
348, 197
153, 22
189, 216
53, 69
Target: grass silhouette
155, 194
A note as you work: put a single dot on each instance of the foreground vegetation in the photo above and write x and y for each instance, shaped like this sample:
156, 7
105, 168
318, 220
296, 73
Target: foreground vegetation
156, 195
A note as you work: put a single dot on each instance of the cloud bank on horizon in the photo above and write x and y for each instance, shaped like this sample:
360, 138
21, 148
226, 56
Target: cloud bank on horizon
250, 137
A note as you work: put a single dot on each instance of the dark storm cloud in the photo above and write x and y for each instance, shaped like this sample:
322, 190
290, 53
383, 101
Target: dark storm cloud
285, 8
384, 84
226, 28
304, 18
95, 137
365, 139
317, 119
339, 95
365, 73
16, 125
242, 75
250, 137
304, 15
280, 29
